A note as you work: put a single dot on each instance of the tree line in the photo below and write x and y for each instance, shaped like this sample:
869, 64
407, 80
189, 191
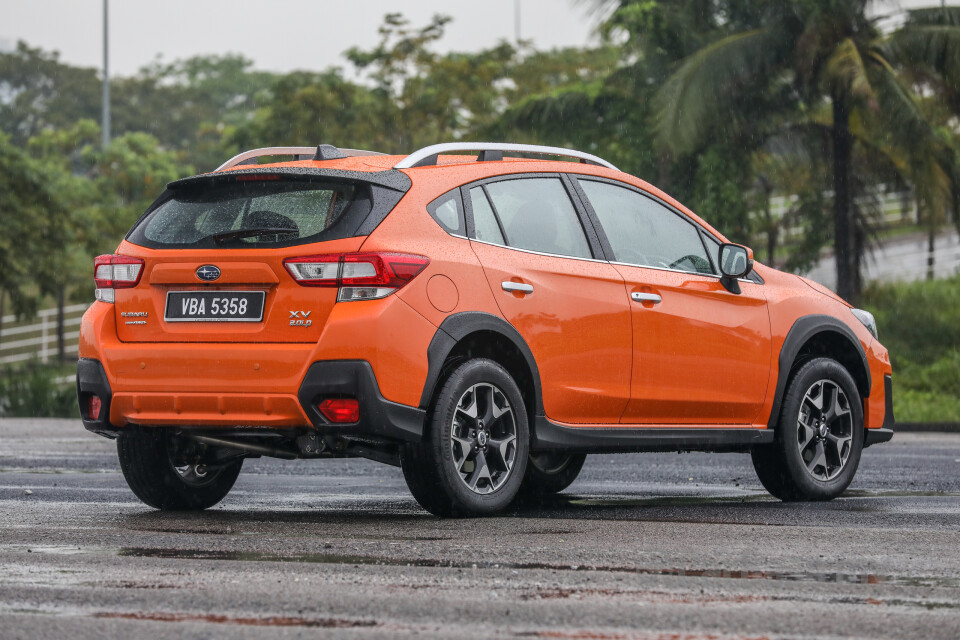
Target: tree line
722, 103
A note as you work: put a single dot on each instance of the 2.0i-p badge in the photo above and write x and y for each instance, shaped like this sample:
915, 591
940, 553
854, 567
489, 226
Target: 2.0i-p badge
208, 272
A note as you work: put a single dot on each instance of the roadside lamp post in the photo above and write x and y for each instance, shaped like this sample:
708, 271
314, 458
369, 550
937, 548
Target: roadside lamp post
105, 119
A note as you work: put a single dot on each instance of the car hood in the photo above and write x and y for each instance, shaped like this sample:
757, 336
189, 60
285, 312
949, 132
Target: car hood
819, 288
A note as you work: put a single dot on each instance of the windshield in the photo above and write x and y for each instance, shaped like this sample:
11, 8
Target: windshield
247, 214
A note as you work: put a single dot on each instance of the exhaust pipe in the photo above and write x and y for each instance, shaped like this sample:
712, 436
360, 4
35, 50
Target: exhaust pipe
273, 452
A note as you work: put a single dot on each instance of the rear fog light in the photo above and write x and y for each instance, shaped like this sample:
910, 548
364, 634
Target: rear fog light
341, 410
93, 407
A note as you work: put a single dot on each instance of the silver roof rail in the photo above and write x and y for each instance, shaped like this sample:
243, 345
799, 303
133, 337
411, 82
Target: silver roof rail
287, 151
428, 155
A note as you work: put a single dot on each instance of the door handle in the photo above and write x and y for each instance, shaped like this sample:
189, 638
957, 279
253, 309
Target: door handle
519, 287
646, 297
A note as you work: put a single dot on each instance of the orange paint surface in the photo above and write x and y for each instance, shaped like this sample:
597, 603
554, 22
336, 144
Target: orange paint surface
704, 356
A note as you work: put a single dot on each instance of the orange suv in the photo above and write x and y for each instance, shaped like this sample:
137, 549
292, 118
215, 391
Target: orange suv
482, 321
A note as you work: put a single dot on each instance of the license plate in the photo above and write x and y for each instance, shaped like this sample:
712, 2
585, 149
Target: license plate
214, 306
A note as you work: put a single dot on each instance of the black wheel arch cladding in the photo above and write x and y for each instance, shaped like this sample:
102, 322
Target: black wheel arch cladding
459, 326
808, 330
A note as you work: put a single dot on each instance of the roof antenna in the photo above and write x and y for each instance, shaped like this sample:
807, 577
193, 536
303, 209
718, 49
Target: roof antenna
328, 152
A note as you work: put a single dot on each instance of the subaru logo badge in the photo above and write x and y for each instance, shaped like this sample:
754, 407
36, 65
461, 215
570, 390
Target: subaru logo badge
208, 272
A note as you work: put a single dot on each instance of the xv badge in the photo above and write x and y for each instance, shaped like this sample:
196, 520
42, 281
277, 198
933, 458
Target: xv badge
300, 318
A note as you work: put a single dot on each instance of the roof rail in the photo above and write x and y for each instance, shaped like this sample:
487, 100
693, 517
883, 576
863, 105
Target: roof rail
428, 155
309, 152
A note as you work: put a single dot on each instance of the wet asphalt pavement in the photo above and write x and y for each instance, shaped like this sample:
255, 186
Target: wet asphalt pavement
663, 546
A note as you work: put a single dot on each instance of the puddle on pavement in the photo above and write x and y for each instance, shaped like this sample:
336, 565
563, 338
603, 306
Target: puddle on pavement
268, 621
706, 500
929, 605
666, 501
563, 634
647, 597
661, 597
132, 584
862, 493
730, 574
218, 530
53, 549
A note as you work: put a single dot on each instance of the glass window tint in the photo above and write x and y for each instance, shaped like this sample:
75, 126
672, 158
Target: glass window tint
536, 214
446, 210
247, 213
643, 232
485, 226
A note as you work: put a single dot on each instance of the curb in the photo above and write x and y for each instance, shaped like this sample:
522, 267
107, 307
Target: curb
933, 427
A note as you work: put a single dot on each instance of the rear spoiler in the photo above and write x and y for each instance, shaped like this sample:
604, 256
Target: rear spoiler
389, 179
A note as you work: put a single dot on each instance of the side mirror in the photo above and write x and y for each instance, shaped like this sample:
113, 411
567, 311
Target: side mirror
736, 261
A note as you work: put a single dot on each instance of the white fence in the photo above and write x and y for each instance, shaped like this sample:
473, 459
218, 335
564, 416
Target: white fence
896, 208
21, 342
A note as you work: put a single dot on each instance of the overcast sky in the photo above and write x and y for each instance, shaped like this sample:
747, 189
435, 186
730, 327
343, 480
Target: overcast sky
280, 35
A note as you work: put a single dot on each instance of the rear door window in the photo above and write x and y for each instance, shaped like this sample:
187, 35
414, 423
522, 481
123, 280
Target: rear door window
534, 214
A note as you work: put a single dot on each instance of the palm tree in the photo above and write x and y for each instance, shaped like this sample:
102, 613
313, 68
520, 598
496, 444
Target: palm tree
927, 48
807, 52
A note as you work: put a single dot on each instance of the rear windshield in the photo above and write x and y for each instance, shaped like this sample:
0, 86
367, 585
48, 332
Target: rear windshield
253, 213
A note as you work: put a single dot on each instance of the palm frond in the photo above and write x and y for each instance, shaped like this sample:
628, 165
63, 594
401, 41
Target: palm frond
929, 48
900, 131
899, 114
557, 110
708, 84
846, 72
934, 15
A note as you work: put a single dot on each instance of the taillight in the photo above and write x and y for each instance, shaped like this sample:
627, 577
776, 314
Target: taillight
359, 276
315, 271
115, 272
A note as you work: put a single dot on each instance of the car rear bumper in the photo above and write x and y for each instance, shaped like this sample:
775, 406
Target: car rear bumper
92, 380
380, 419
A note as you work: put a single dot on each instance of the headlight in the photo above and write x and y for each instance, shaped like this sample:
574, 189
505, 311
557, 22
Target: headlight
868, 321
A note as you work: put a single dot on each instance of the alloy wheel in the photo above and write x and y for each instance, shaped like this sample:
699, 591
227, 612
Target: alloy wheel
483, 438
825, 430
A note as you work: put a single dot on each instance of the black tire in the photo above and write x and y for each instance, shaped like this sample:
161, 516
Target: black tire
440, 469
149, 459
793, 468
549, 473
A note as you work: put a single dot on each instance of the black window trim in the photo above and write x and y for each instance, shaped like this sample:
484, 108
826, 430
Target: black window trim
607, 247
586, 224
496, 214
703, 241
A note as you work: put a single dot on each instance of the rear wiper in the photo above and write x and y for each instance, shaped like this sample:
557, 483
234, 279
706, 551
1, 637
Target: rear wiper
220, 238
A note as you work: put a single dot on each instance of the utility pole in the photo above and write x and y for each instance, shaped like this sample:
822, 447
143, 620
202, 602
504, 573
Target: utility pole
105, 119
516, 21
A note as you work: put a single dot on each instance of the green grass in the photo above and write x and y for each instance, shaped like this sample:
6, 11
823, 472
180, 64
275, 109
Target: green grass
31, 389
919, 322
